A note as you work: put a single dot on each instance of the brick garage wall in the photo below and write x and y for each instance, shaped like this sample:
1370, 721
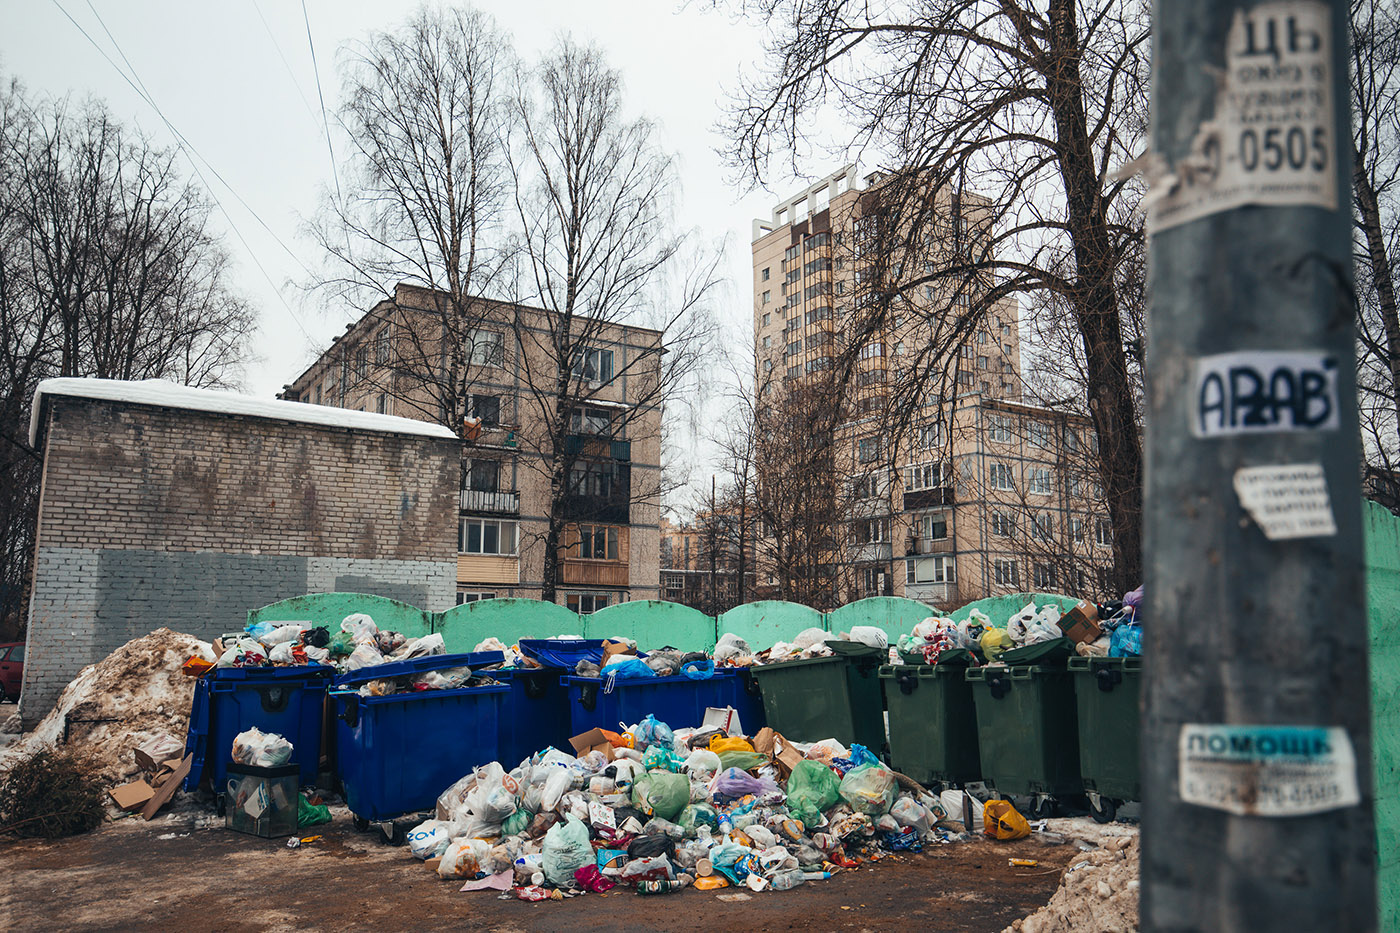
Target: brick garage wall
156, 517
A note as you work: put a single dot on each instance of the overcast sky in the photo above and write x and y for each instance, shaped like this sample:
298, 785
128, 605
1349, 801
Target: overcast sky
236, 80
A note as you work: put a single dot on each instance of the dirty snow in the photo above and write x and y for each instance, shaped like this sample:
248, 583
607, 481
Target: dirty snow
139, 686
169, 395
1099, 889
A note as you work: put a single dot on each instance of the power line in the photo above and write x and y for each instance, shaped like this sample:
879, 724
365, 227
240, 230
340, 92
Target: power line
285, 64
330, 150
192, 154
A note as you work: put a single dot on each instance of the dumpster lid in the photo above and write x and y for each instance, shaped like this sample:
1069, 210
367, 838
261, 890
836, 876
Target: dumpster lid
433, 662
1054, 651
854, 649
294, 672
562, 652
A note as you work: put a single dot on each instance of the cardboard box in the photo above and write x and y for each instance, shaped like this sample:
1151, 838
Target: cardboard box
167, 788
592, 740
132, 797
772, 744
611, 648
1081, 623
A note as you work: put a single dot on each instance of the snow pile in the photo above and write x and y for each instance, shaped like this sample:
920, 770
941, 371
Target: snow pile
1099, 891
139, 688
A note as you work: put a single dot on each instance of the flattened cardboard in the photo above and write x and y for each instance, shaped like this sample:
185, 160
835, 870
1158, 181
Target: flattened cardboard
592, 740
167, 789
1081, 624
132, 797
611, 648
775, 746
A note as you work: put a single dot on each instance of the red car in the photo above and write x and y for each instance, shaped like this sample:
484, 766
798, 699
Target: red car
11, 670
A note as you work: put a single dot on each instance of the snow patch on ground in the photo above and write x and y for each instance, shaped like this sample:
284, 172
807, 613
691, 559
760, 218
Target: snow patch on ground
1099, 889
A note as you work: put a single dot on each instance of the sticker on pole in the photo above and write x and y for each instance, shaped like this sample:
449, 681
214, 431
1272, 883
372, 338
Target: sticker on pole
1272, 139
1287, 501
1265, 391
1267, 770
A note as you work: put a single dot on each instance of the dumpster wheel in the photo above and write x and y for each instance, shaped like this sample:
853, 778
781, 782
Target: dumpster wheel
1102, 808
361, 824
1042, 807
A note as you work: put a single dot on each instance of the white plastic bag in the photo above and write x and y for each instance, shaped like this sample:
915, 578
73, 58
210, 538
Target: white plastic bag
809, 637
364, 655
281, 653
702, 764
262, 749
909, 812
420, 647
429, 839
566, 849
870, 635
731, 646
464, 858
287, 632
640, 867
359, 627
952, 801
554, 787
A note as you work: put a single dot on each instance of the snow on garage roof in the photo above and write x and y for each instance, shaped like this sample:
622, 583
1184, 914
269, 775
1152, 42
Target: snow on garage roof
169, 395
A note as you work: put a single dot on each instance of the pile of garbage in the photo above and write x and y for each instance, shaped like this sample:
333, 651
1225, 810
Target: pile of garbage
358, 644
1111, 629
658, 809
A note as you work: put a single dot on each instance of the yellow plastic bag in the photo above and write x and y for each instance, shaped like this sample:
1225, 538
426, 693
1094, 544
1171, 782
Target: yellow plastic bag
1001, 821
994, 641
719, 745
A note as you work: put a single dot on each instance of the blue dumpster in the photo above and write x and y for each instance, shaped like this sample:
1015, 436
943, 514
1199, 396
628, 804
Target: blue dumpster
289, 701
537, 711
396, 754
678, 701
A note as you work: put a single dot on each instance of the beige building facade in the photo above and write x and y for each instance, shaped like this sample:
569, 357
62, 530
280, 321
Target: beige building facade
508, 393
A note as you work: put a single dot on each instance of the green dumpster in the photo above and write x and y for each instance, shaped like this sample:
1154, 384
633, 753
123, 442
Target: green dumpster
1028, 731
933, 724
1106, 693
821, 698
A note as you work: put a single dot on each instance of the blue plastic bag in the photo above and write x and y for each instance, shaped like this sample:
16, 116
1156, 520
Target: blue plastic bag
699, 670
1126, 641
628, 670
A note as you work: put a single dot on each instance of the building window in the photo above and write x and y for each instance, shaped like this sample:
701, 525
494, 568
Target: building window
464, 597
381, 347
1039, 434
999, 428
933, 526
981, 362
966, 351
930, 434
999, 476
1076, 530
872, 350
767, 297
981, 336
767, 341
1006, 332
766, 272
382, 405
872, 530
767, 366
485, 536
868, 487
318, 393
486, 407
594, 365
931, 475
1045, 577
1103, 532
587, 602
362, 362
486, 347
1043, 527
1006, 348
1039, 481
868, 449
589, 420
484, 475
929, 570
597, 542
965, 378
1003, 525
766, 319
1006, 573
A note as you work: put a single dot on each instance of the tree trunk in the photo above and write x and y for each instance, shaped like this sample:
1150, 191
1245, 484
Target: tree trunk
1096, 301
1369, 208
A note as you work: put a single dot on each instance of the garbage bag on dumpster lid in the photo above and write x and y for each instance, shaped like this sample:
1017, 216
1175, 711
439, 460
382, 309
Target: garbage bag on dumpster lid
1001, 821
731, 646
868, 789
566, 850
870, 635
812, 789
994, 641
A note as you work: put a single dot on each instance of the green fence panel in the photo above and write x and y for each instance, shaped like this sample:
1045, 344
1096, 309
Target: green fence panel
509, 619
767, 621
894, 614
1382, 536
1001, 608
329, 609
653, 623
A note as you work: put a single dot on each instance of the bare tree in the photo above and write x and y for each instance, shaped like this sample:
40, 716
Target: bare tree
109, 267
592, 197
424, 204
1033, 107
1375, 64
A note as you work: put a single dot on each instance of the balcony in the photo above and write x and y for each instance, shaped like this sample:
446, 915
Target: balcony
479, 500
942, 545
928, 498
878, 552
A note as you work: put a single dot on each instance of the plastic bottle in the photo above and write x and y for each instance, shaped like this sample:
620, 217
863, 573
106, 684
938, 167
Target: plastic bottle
816, 875
787, 880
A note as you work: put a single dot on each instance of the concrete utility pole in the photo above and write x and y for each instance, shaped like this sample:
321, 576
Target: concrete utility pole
1256, 744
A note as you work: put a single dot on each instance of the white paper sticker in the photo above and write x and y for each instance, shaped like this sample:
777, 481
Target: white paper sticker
1264, 391
1287, 501
1271, 140
1267, 770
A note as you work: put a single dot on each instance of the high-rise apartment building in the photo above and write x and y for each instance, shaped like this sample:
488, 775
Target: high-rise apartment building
944, 494
391, 360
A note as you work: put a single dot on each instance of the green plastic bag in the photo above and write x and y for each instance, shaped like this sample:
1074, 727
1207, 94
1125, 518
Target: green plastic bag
697, 815
517, 823
662, 794
744, 761
309, 814
869, 789
812, 789
342, 645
